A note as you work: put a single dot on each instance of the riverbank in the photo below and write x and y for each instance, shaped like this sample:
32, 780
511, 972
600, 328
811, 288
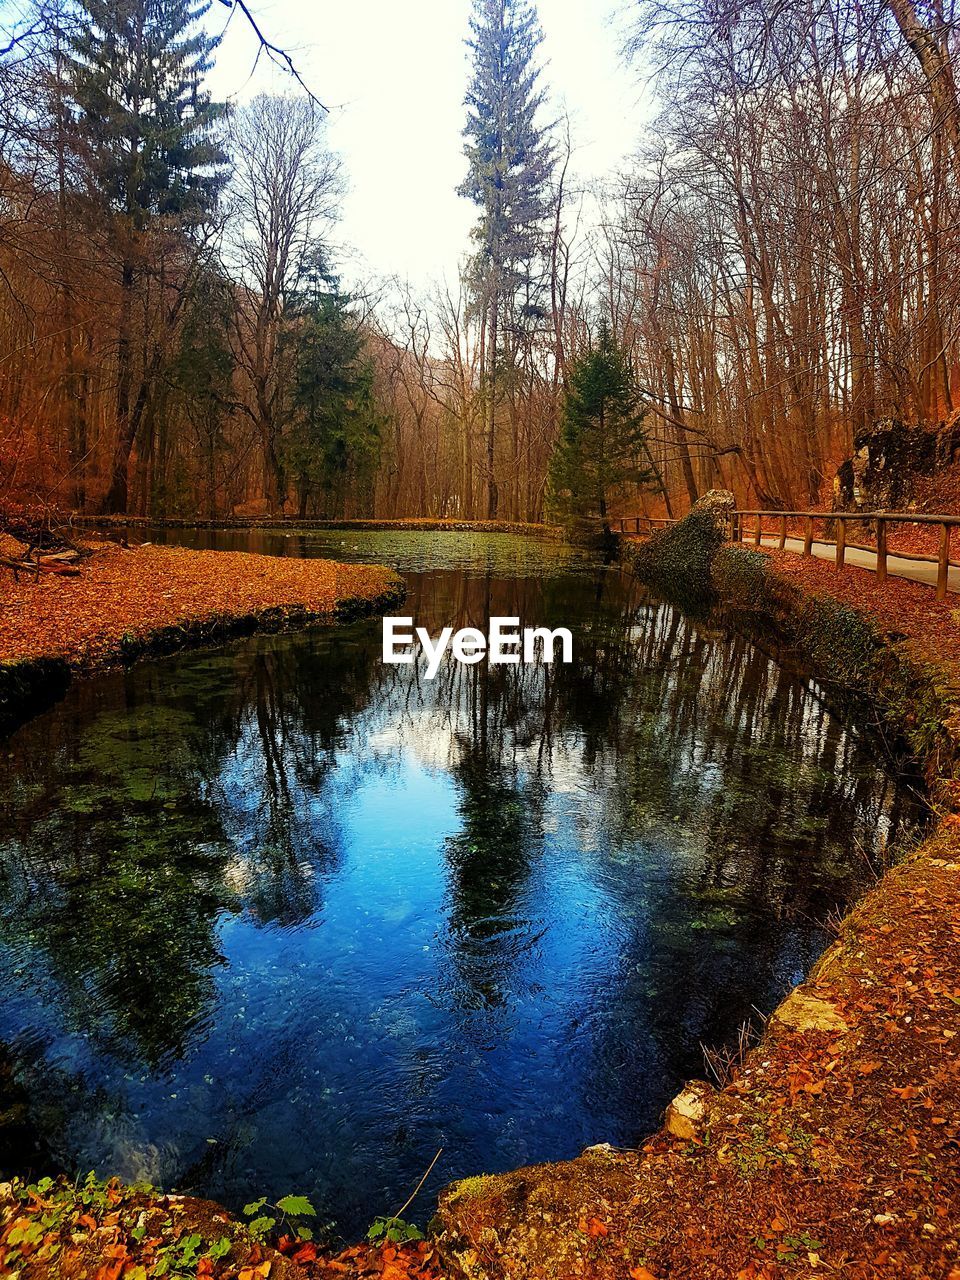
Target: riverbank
292, 524
887, 654
130, 602
54, 1229
833, 1148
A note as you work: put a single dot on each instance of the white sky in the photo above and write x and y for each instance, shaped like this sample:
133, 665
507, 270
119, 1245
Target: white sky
395, 74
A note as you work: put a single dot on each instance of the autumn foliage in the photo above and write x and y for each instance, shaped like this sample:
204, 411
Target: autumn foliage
124, 597
90, 1230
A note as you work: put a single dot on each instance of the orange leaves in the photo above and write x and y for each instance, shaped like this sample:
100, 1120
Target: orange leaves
417, 1261
802, 1081
258, 1272
593, 1227
907, 1092
124, 596
110, 1270
306, 1253
754, 1272
641, 1273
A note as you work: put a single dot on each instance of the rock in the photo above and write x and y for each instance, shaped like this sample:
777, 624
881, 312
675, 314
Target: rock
802, 1012
888, 458
687, 1114
677, 561
599, 1149
720, 503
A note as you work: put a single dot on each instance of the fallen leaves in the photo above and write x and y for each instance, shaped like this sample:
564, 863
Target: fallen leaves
594, 1227
259, 1272
898, 606
108, 1231
124, 597
412, 1261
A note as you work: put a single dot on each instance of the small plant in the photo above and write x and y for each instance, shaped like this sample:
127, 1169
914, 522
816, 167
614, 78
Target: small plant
291, 1209
393, 1231
52, 1211
726, 1063
219, 1249
791, 1247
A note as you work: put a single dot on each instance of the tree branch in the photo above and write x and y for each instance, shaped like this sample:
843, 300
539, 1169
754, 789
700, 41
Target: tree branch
276, 55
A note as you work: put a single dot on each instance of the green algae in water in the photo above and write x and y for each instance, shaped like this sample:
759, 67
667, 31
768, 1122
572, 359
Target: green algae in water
278, 917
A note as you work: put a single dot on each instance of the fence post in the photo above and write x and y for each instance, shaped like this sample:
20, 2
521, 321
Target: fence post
943, 564
783, 532
638, 524
808, 537
758, 532
841, 542
881, 549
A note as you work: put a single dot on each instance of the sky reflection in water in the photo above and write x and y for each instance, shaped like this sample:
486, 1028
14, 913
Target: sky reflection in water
277, 918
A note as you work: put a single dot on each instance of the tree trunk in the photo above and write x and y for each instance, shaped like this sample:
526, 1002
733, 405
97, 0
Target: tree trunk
116, 499
493, 496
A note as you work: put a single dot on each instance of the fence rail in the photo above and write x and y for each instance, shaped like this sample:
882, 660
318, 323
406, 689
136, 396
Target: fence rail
778, 534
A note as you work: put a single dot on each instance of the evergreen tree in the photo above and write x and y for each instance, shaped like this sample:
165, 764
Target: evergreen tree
202, 373
333, 445
602, 442
510, 161
144, 128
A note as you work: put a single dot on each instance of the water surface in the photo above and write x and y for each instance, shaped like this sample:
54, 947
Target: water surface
275, 918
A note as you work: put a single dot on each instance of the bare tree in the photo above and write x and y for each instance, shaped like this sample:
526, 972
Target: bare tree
284, 196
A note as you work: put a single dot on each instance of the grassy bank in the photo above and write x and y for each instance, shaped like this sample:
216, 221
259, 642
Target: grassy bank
130, 603
414, 524
889, 655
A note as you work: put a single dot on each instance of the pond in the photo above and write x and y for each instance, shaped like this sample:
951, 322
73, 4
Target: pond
277, 918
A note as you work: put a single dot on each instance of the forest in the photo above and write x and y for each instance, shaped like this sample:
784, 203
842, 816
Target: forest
774, 270
481, 750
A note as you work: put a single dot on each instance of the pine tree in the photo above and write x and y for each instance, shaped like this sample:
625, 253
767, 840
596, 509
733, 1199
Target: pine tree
333, 445
202, 372
510, 159
144, 129
602, 445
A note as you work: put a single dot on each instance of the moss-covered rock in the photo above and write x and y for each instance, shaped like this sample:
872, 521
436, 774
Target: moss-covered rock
677, 561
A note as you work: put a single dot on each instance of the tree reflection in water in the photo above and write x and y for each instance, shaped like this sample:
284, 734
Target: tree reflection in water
278, 917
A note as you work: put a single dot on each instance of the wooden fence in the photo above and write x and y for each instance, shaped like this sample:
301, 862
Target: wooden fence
772, 527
